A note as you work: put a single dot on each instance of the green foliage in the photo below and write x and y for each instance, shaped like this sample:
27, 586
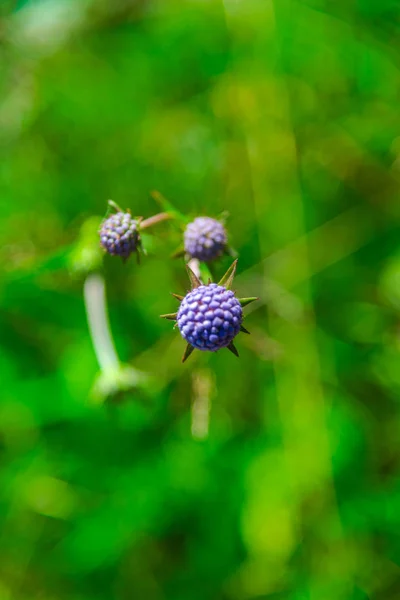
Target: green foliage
125, 474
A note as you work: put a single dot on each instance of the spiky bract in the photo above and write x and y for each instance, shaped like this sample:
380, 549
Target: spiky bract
205, 239
119, 234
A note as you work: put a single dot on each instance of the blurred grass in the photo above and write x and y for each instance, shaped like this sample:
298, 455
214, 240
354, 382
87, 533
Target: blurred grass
286, 115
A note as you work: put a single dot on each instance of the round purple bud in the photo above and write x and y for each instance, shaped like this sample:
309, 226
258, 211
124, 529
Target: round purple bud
207, 330
119, 234
205, 238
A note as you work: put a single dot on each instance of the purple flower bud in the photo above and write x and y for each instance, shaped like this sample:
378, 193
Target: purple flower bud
205, 239
207, 330
119, 235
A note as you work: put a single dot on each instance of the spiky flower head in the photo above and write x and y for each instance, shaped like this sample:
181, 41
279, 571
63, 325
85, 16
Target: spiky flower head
119, 234
205, 238
210, 316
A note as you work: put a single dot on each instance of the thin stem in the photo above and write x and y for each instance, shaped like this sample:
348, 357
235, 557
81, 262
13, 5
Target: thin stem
194, 265
154, 220
202, 383
99, 327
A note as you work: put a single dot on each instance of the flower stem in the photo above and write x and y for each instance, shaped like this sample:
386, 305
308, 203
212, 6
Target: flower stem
154, 220
202, 385
194, 264
99, 327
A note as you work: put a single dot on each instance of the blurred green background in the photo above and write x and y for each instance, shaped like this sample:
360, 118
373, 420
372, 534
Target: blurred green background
286, 114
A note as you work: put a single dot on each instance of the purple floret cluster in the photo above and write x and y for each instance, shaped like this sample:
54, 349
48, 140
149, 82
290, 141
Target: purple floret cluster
119, 234
205, 238
209, 317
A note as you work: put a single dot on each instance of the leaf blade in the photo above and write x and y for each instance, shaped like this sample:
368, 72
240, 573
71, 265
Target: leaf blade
168, 207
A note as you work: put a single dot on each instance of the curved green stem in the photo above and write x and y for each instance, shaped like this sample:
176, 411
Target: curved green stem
99, 327
115, 206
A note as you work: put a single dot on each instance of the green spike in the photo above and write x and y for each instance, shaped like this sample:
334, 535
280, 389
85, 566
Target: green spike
194, 280
170, 316
205, 272
246, 301
227, 279
188, 351
233, 349
178, 297
114, 206
244, 329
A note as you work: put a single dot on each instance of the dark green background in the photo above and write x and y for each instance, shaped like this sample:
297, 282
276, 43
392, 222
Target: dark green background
286, 114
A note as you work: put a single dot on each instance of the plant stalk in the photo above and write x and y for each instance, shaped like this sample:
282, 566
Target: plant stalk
154, 220
99, 327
